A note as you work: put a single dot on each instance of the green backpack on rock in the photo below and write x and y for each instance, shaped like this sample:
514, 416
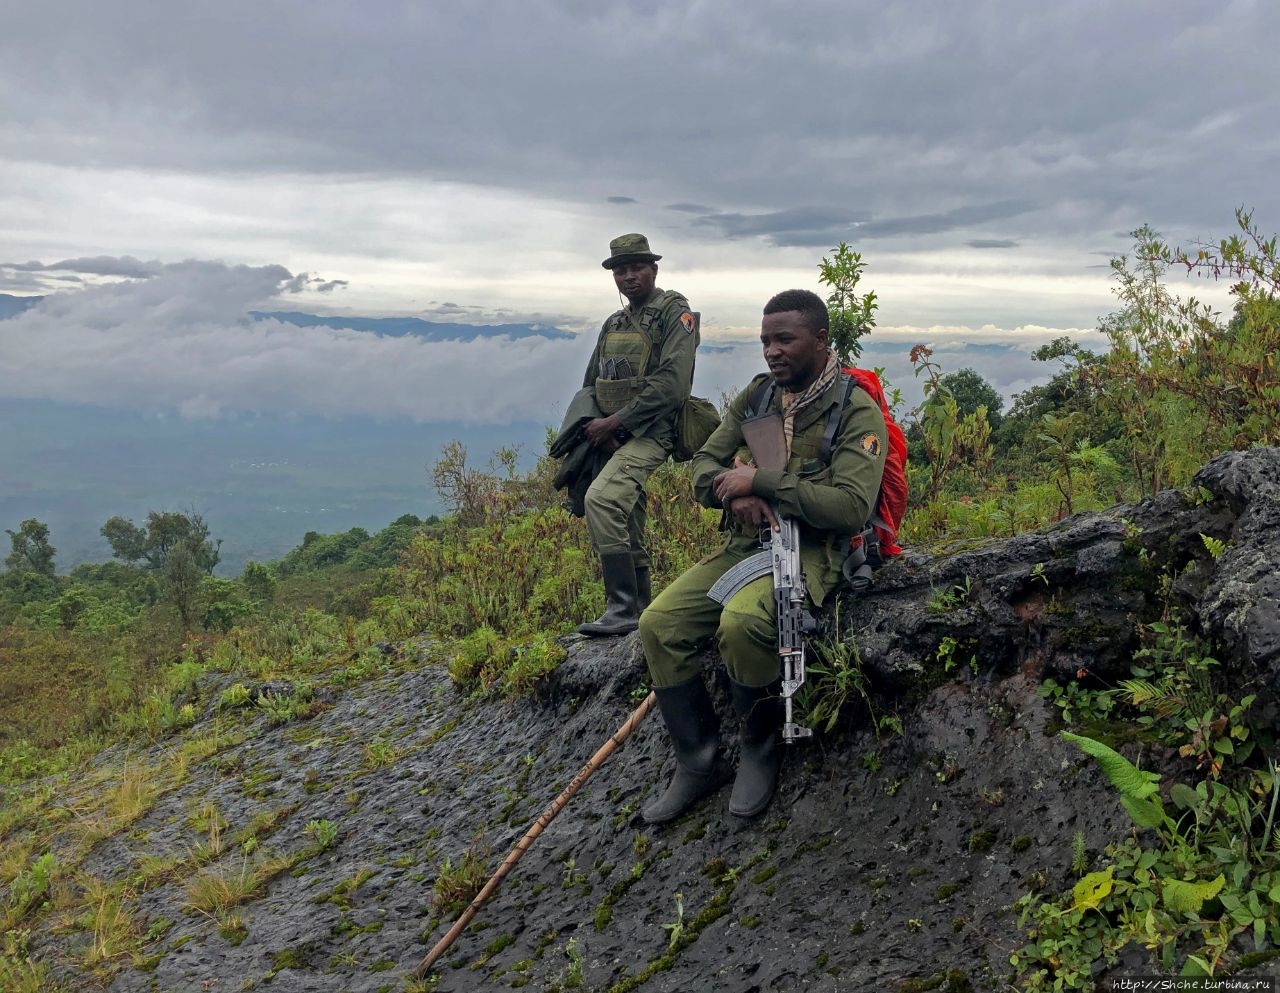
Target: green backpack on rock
694, 424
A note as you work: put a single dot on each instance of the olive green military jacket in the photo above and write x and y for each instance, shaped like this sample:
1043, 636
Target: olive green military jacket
666, 320
830, 501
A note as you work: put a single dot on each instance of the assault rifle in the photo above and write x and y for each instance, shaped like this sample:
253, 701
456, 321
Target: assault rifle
780, 556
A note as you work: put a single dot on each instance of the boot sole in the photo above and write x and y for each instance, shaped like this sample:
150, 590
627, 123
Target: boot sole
598, 632
754, 811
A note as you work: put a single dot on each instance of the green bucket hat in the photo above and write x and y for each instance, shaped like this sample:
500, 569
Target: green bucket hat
629, 248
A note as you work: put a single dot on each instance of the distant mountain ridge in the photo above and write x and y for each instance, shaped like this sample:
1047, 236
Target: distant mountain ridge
413, 326
12, 306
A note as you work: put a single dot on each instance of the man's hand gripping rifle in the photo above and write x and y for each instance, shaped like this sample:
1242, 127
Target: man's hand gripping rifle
780, 556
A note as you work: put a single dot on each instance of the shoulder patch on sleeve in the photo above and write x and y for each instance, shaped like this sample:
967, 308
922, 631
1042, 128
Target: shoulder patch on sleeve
689, 321
870, 444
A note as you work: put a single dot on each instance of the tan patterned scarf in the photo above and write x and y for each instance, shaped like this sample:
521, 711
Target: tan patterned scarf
793, 403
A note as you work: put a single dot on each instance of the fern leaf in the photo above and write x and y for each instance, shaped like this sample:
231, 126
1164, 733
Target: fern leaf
1140, 691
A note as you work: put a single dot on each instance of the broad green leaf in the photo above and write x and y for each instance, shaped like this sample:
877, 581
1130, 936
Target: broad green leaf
1090, 891
1145, 813
1184, 796
1196, 966
1238, 872
1187, 898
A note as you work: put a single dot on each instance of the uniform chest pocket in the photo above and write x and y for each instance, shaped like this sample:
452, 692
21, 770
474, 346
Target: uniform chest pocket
808, 469
814, 471
805, 450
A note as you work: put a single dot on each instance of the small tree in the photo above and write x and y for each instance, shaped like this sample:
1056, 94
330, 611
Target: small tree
851, 315
259, 582
949, 439
936, 418
971, 391
1072, 388
1185, 384
182, 577
31, 551
164, 534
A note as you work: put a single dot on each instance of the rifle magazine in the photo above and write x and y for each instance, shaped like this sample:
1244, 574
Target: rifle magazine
735, 578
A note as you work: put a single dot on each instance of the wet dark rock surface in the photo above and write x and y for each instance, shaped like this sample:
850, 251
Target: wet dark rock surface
880, 862
1067, 598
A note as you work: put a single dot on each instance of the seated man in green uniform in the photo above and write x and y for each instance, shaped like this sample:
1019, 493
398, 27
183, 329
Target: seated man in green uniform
640, 374
831, 499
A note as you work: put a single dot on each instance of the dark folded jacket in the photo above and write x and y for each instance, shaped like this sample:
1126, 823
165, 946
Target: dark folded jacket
582, 463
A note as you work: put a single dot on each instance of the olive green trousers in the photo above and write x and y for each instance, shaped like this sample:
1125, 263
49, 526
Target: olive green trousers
615, 501
682, 619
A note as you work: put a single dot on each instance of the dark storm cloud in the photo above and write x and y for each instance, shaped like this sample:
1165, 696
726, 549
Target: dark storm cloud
102, 265
961, 217
992, 243
793, 226
24, 282
1074, 110
819, 226
305, 281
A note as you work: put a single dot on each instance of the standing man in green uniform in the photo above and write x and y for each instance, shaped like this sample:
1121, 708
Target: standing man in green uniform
640, 373
831, 499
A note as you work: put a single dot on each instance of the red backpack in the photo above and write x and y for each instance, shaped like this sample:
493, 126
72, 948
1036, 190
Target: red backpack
879, 541
891, 504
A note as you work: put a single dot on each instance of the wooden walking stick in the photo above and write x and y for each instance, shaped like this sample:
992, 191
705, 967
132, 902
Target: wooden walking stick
597, 760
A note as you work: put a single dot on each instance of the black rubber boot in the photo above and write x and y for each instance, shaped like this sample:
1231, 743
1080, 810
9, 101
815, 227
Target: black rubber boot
760, 711
622, 614
644, 591
695, 733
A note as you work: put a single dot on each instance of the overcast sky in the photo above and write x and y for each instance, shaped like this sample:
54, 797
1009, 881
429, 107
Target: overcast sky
471, 162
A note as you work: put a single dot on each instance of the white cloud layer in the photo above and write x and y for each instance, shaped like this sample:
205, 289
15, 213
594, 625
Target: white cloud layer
181, 342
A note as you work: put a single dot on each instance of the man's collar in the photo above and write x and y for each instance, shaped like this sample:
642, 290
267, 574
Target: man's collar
829, 395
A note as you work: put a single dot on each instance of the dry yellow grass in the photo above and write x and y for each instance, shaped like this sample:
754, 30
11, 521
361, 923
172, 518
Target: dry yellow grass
114, 929
215, 891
